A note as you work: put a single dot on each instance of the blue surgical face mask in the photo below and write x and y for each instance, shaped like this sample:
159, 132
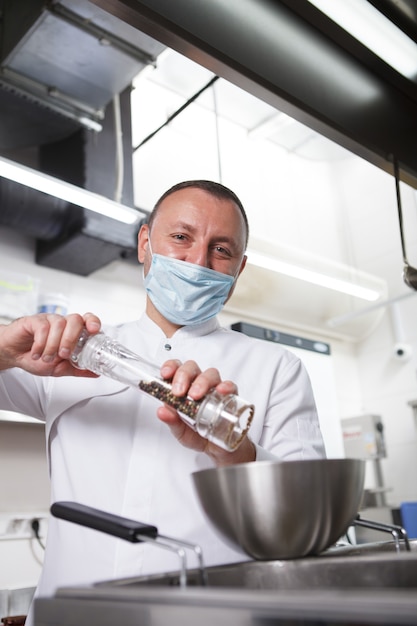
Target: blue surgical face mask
185, 293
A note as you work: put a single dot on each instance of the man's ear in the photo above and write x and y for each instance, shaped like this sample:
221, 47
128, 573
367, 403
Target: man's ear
243, 264
242, 267
143, 239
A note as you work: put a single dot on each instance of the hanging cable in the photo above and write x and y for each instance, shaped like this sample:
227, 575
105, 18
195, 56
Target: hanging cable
36, 531
409, 272
118, 190
216, 118
177, 112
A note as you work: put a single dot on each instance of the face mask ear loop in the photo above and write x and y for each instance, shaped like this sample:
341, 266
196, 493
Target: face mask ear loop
150, 250
237, 273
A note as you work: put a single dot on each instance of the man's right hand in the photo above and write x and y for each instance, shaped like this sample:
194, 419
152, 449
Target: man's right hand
42, 344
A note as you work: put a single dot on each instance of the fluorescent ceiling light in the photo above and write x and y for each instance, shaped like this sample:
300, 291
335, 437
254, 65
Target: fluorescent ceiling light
65, 191
317, 278
375, 31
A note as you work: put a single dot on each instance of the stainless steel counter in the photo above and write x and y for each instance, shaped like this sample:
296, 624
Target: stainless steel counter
160, 606
363, 585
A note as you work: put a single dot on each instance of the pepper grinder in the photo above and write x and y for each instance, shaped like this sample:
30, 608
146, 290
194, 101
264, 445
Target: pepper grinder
223, 419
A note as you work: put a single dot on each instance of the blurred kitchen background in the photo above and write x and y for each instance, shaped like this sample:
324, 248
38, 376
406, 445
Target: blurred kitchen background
80, 88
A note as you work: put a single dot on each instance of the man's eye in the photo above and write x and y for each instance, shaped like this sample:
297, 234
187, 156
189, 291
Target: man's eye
221, 250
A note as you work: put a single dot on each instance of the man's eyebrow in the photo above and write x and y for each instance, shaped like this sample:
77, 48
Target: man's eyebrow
183, 226
216, 239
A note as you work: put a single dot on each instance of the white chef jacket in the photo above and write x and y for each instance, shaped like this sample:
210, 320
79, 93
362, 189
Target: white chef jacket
107, 449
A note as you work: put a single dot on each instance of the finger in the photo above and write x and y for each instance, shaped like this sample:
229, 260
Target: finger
169, 368
227, 386
39, 334
92, 323
47, 337
183, 433
205, 381
65, 368
184, 377
170, 416
74, 325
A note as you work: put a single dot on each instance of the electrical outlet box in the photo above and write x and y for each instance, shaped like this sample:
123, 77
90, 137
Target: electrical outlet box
19, 525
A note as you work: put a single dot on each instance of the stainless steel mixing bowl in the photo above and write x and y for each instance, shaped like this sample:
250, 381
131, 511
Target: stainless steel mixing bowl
282, 510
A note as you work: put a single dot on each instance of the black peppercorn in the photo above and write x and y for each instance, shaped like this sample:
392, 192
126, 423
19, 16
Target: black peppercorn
161, 392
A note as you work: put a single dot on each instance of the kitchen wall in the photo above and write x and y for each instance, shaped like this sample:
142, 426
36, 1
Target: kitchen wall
344, 208
388, 384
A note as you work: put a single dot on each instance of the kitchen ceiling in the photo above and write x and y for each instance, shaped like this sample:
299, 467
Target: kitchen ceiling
175, 79
63, 62
293, 57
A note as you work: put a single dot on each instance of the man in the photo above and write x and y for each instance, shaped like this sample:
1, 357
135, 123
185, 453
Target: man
106, 447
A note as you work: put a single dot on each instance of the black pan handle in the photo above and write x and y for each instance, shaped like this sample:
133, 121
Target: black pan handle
104, 522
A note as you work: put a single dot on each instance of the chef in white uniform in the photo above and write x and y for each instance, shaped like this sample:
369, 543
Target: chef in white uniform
119, 450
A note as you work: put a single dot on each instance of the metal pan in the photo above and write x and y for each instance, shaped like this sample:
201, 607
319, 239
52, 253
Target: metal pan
282, 510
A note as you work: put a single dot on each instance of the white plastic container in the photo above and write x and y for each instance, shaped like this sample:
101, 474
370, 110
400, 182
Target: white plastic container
53, 303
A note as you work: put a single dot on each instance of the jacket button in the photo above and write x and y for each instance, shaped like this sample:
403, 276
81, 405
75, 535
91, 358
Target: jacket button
167, 346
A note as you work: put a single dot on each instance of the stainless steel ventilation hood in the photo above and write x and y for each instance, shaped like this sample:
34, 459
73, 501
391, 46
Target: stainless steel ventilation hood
292, 56
61, 64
